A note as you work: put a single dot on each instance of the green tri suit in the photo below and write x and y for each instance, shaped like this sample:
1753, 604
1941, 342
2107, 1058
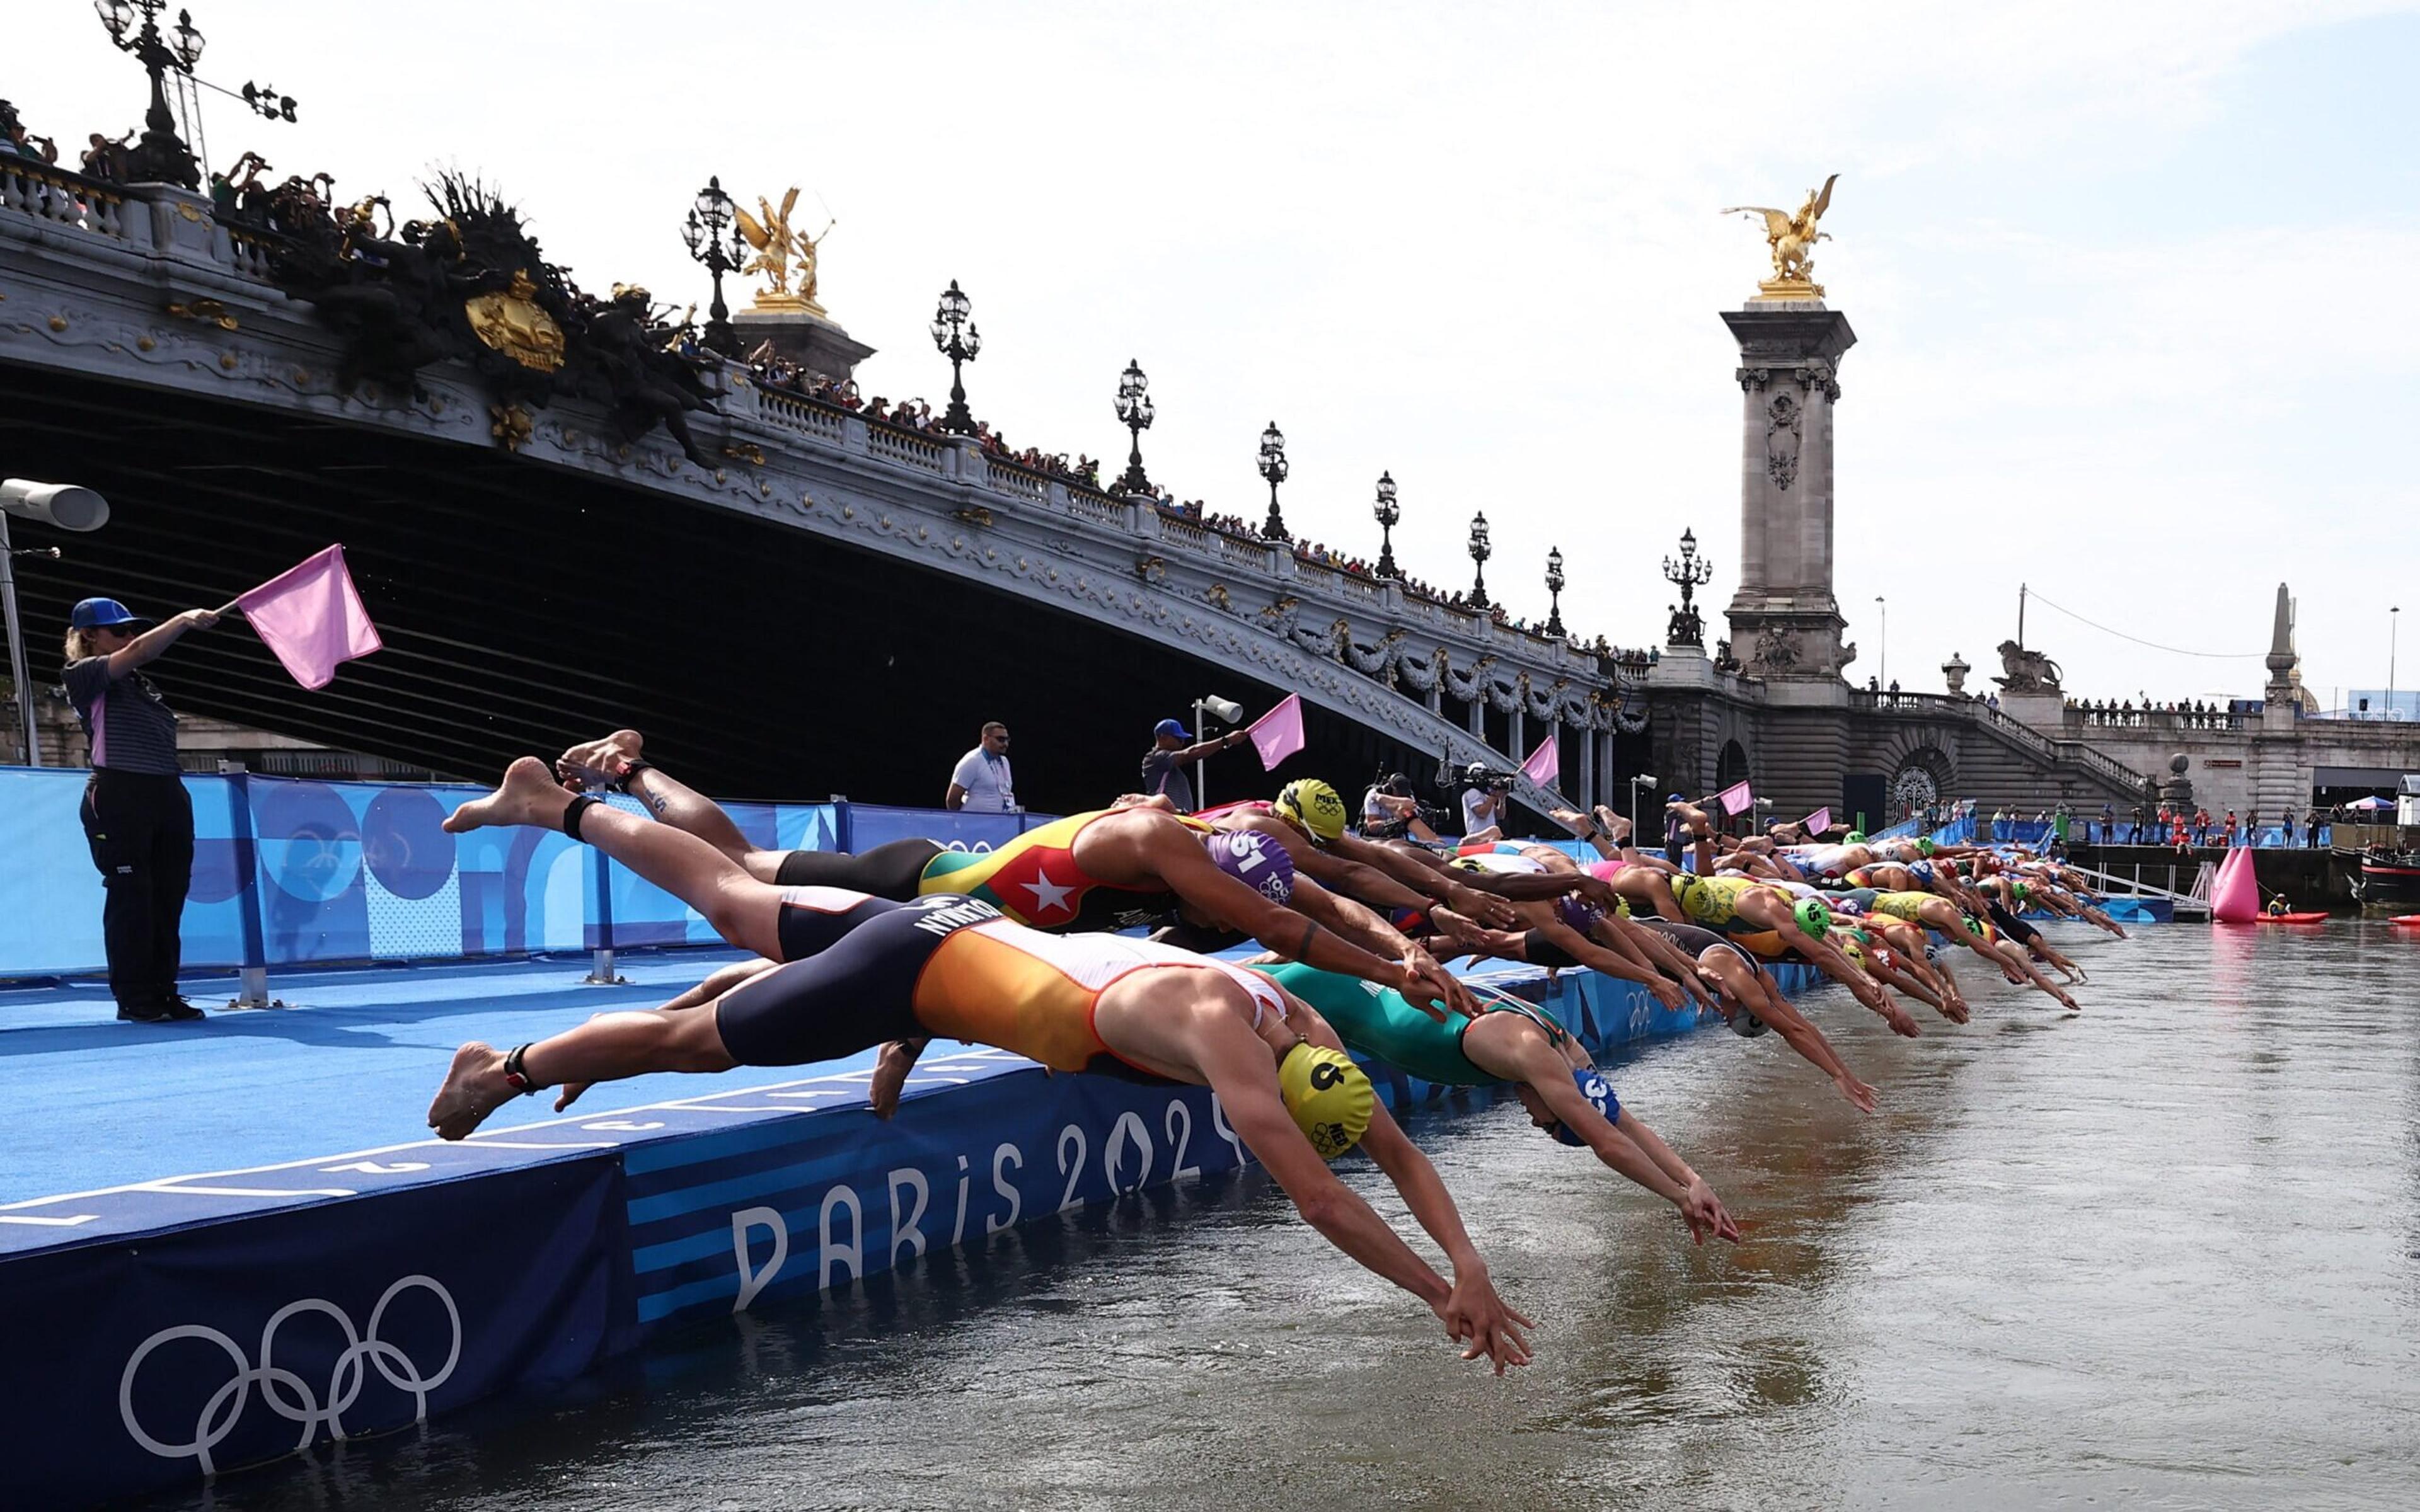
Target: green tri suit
1379, 1021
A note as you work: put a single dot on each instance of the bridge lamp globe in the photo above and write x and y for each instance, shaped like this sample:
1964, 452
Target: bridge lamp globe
117, 15
189, 41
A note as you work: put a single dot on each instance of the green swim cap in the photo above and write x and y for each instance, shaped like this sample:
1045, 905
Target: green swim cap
1925, 848
1856, 837
1973, 925
2019, 888
1812, 917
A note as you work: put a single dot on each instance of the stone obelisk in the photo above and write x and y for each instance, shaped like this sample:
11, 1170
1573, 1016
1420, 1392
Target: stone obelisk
1785, 623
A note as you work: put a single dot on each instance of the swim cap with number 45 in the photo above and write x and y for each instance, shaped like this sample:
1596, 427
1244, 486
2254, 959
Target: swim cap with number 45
1330, 1098
1313, 805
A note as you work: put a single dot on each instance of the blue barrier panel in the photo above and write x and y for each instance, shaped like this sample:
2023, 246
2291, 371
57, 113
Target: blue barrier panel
50, 895
872, 824
134, 1366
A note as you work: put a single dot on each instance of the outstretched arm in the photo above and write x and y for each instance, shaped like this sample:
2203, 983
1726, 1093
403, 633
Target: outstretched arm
1360, 926
1474, 1312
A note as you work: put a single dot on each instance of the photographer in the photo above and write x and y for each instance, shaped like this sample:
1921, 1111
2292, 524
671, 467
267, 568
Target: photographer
1483, 803
1389, 811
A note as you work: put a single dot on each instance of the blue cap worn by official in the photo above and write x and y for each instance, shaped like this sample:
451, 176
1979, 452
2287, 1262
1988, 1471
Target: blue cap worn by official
102, 613
1172, 727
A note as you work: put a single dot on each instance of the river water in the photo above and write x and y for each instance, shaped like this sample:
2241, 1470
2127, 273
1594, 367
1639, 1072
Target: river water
2163, 1255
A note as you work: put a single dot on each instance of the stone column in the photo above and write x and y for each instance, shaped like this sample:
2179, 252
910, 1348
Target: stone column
1785, 623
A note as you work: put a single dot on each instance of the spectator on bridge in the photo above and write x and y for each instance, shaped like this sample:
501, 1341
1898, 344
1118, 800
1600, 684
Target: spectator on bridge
136, 814
2311, 827
1164, 764
15, 138
2135, 832
2201, 825
2288, 817
2230, 830
2252, 826
2108, 824
982, 782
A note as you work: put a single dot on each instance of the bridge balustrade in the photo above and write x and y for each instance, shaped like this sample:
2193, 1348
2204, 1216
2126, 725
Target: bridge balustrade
62, 198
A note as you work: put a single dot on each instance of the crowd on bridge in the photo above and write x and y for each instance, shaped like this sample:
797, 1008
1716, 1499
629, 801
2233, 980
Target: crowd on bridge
2191, 714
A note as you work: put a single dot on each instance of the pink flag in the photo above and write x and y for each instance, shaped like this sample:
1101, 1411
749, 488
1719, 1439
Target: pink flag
1278, 733
311, 617
1545, 764
1818, 821
1736, 799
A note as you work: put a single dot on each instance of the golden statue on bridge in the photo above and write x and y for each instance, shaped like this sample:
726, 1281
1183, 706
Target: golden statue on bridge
1792, 239
777, 244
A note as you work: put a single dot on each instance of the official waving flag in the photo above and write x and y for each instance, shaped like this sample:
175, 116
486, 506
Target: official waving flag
1545, 764
1736, 799
1278, 733
311, 617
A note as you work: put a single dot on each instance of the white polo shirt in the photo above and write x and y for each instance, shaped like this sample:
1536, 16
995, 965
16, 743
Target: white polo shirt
990, 788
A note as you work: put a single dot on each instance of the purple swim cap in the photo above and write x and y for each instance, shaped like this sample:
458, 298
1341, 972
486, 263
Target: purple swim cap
1579, 913
1255, 860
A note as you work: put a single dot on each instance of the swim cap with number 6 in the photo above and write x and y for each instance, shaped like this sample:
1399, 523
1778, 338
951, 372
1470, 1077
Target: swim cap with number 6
1313, 805
1329, 1097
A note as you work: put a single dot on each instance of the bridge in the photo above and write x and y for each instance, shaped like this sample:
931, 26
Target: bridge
833, 593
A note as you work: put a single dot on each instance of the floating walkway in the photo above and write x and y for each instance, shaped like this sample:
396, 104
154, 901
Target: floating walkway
222, 1242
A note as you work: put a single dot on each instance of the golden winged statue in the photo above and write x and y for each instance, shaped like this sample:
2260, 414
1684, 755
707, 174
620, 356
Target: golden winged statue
776, 245
1792, 239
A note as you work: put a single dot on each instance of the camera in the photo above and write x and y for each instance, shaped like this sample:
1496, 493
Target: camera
1480, 775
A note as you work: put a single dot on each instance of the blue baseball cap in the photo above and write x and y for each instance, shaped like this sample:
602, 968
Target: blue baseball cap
1169, 727
100, 613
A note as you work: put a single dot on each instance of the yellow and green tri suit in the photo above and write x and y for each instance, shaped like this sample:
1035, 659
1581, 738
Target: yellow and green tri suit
1904, 905
1714, 901
1034, 879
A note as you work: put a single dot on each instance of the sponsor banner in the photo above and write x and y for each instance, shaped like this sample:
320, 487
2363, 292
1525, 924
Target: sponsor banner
724, 1222
152, 1363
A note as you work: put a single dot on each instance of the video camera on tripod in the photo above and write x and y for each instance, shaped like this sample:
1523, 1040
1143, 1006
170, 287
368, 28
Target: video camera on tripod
1474, 775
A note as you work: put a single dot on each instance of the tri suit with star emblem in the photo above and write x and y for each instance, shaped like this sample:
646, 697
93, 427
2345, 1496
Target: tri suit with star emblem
1034, 879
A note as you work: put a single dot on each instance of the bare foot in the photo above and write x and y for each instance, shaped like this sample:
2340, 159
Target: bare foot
598, 761
1616, 827
475, 1088
891, 1071
528, 796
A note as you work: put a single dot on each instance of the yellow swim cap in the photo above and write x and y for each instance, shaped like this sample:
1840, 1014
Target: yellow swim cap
1329, 1097
1313, 805
1466, 863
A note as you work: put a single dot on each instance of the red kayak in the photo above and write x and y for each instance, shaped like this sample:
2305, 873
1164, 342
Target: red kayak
2299, 918
2405, 920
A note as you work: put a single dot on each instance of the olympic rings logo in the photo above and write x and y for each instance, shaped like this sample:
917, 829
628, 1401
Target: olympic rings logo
288, 1395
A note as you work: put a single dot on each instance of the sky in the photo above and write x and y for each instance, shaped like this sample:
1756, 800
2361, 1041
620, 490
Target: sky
2132, 284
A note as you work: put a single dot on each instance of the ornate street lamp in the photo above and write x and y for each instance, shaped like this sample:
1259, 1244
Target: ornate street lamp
1390, 516
955, 334
1555, 590
1479, 552
160, 157
1274, 468
1687, 627
1135, 411
710, 215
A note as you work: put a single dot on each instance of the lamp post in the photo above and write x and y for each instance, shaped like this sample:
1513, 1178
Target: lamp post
1555, 590
160, 157
1479, 552
1687, 627
69, 507
1647, 780
955, 334
1883, 677
2394, 620
1274, 468
1135, 411
1389, 514
710, 216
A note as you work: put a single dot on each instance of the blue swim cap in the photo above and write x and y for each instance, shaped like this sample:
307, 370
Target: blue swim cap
1579, 913
1921, 870
1599, 1092
1255, 860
